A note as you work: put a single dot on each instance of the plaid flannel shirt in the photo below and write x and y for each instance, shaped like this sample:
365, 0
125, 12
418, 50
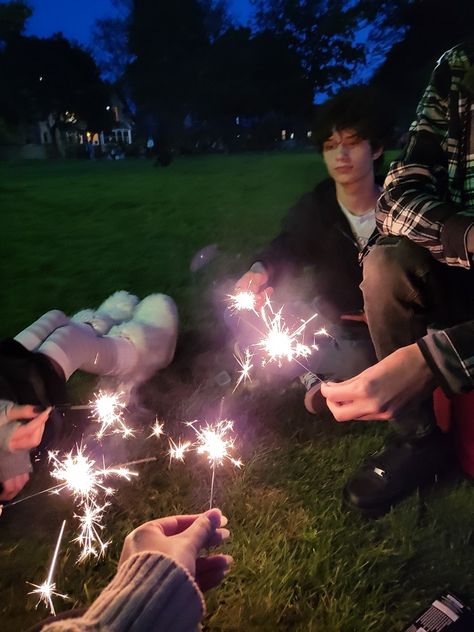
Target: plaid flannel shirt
429, 198
429, 193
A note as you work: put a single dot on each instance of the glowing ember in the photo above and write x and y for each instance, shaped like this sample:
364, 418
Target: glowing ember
47, 590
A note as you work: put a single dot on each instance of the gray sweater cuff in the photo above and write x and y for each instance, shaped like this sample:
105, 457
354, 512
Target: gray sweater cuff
149, 592
14, 463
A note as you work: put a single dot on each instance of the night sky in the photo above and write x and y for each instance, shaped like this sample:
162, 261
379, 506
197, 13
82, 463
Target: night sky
75, 18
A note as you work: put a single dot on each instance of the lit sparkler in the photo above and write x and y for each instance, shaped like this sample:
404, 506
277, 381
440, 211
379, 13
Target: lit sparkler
109, 410
47, 590
79, 474
214, 441
242, 301
279, 341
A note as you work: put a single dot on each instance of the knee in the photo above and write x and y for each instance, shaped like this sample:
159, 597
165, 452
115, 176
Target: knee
387, 263
57, 315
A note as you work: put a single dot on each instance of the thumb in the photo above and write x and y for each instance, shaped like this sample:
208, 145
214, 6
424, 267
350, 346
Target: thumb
203, 528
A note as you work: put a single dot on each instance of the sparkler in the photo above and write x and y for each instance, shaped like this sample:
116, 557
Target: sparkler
47, 590
280, 342
244, 300
85, 481
214, 441
108, 410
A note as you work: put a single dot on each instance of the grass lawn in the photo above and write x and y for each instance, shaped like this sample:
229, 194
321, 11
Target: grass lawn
74, 232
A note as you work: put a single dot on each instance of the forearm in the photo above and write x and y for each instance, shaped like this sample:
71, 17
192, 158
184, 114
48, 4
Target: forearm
149, 592
414, 205
449, 354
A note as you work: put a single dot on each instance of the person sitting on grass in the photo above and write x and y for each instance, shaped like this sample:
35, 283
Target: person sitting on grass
419, 293
324, 234
123, 338
159, 581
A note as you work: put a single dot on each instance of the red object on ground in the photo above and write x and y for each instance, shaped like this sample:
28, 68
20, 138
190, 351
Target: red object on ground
458, 414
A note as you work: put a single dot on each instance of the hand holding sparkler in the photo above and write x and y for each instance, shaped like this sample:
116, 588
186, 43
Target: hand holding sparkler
251, 289
24, 437
181, 538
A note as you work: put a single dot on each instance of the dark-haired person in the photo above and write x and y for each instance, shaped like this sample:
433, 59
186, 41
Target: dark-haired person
419, 293
324, 233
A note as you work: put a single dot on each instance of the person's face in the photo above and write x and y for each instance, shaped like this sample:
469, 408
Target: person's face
348, 157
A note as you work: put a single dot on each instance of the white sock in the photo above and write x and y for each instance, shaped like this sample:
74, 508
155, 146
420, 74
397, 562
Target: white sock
36, 333
77, 346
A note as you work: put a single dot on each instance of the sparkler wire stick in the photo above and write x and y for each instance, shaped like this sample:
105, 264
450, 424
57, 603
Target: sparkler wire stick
43, 491
46, 590
212, 484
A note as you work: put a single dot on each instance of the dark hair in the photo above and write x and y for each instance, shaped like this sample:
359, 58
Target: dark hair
354, 108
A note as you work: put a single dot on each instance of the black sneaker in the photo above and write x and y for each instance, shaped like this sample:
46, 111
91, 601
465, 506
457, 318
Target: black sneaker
397, 470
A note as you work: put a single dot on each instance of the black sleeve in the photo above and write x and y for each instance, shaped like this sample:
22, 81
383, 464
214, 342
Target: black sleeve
294, 246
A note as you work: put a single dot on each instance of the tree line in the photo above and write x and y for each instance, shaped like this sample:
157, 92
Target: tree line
194, 78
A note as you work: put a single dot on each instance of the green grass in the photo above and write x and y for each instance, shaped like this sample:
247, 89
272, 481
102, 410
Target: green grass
74, 232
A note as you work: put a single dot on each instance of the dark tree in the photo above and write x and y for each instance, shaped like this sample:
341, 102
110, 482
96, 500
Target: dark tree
13, 17
168, 43
333, 38
51, 80
432, 27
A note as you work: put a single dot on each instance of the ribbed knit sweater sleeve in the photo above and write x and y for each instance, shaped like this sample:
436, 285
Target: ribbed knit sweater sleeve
149, 592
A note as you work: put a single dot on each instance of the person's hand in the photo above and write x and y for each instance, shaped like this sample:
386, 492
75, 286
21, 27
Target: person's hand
182, 538
27, 436
255, 282
384, 389
13, 486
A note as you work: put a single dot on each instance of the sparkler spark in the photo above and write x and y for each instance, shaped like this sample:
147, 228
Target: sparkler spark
245, 300
79, 474
108, 409
246, 366
89, 536
47, 590
157, 430
177, 450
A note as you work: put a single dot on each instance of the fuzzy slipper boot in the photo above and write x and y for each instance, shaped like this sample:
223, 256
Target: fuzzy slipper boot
116, 309
153, 331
